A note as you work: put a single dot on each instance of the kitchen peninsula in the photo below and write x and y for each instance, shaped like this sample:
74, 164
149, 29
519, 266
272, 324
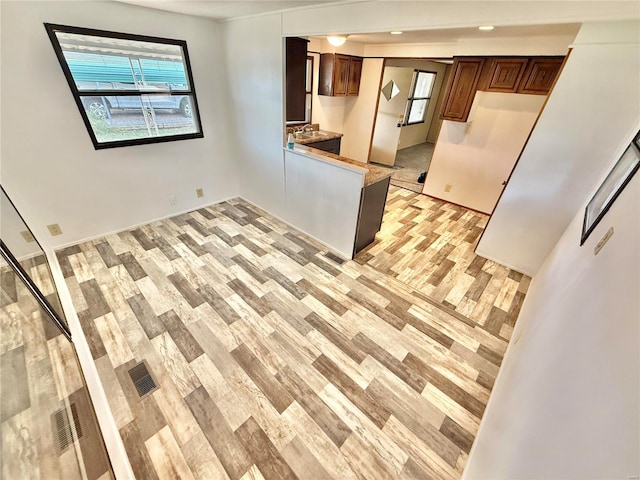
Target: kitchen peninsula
337, 200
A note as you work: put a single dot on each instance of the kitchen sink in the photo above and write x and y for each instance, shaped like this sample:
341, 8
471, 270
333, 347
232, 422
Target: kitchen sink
313, 134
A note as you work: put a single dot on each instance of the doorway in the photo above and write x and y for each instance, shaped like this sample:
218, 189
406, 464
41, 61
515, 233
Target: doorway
407, 120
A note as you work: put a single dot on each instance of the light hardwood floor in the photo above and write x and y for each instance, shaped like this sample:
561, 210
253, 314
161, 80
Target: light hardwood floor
429, 245
275, 359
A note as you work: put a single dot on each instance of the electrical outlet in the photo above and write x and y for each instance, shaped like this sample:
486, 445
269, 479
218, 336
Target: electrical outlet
172, 200
54, 229
28, 237
199, 193
447, 188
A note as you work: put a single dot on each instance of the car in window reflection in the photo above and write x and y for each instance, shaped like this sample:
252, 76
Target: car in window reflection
103, 106
100, 107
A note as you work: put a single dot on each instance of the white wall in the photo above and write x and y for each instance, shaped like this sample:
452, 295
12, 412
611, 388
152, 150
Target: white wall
476, 163
591, 111
565, 404
360, 113
436, 123
253, 64
11, 228
323, 199
49, 166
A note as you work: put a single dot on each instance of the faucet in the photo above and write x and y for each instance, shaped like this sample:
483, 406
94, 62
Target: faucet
305, 128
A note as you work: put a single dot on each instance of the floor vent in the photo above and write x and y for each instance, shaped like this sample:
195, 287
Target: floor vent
142, 379
63, 430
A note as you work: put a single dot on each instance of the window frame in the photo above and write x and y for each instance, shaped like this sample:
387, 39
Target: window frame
52, 29
411, 98
309, 92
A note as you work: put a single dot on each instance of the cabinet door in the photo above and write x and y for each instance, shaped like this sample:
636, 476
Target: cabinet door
540, 75
296, 71
355, 72
325, 82
462, 89
505, 74
340, 74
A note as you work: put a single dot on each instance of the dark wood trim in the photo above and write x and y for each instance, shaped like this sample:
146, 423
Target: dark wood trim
515, 165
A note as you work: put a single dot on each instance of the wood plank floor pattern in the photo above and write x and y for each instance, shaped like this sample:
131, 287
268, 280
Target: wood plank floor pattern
429, 245
274, 358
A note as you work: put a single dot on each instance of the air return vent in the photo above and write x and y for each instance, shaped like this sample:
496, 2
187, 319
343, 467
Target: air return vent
63, 430
142, 379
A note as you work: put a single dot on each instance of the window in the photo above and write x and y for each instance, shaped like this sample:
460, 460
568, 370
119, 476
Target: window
308, 89
418, 100
130, 89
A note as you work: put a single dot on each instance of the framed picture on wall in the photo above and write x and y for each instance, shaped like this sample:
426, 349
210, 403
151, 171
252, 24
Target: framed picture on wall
618, 178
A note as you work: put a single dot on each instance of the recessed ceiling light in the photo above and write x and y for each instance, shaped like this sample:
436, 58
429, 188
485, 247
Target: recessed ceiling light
396, 32
486, 28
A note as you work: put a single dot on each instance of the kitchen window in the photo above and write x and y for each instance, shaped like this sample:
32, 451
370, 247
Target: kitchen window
308, 89
420, 94
130, 89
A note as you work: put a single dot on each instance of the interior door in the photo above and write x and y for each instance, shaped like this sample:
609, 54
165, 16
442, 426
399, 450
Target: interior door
386, 134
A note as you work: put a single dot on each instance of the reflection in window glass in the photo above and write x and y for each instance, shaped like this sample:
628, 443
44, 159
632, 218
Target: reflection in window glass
118, 118
131, 89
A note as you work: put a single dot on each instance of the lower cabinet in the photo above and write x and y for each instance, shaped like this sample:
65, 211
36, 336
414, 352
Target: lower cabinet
331, 146
372, 203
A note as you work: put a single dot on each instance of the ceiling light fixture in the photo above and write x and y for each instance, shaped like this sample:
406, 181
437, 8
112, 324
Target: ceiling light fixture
396, 32
337, 40
486, 28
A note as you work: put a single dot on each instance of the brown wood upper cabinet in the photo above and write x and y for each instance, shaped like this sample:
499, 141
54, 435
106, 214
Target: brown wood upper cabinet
505, 74
296, 68
339, 74
530, 75
540, 75
462, 88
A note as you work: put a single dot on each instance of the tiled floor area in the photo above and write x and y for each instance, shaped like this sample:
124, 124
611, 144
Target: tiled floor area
275, 360
429, 245
410, 163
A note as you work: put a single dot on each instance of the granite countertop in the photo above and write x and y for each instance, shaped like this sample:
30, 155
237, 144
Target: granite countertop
324, 135
373, 173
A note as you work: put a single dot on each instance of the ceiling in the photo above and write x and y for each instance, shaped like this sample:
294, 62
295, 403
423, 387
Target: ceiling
221, 10
456, 34
224, 9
